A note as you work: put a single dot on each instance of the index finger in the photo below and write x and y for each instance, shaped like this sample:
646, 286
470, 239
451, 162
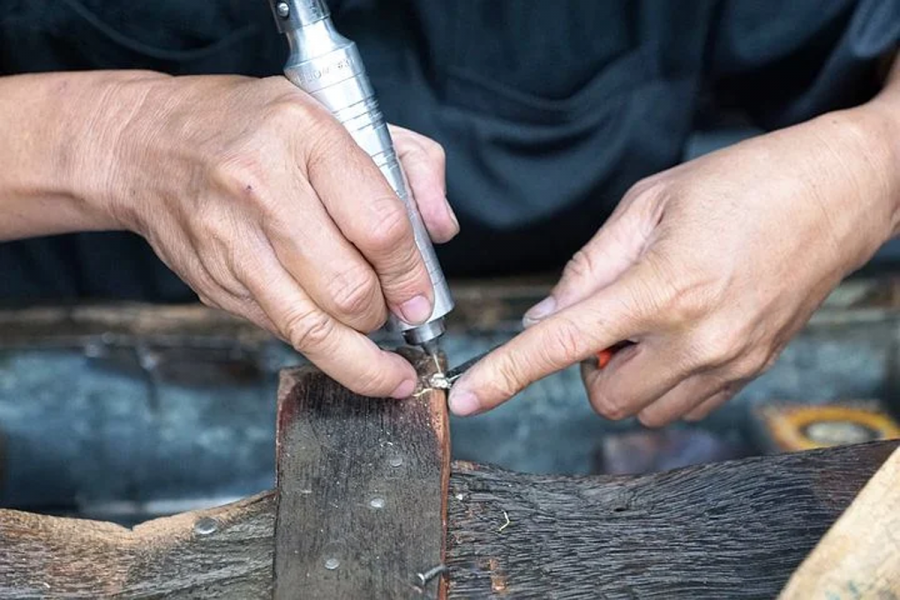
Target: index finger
371, 215
346, 355
564, 339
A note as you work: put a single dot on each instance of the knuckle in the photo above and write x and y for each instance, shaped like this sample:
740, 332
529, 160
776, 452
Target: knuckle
241, 176
566, 341
684, 303
308, 329
214, 231
326, 143
375, 382
355, 291
390, 227
608, 407
580, 266
291, 107
508, 380
715, 346
649, 186
754, 361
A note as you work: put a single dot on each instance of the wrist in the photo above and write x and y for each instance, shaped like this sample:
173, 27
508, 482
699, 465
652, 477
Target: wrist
884, 114
108, 139
856, 165
58, 131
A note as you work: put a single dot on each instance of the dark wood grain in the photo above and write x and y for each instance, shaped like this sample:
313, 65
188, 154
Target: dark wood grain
727, 530
362, 488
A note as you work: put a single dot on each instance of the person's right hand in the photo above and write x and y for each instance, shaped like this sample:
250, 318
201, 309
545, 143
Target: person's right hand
267, 208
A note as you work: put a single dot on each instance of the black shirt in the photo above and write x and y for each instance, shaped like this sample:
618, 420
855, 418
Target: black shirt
548, 111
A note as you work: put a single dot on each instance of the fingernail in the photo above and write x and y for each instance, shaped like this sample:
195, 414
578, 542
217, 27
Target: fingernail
417, 310
541, 310
463, 403
404, 390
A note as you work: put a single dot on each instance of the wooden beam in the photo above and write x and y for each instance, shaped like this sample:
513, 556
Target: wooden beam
859, 557
735, 529
362, 490
218, 553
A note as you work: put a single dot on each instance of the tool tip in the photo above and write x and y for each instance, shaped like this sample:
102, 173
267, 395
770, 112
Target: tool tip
431, 347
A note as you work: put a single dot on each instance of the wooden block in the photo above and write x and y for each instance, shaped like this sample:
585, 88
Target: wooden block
362, 488
859, 557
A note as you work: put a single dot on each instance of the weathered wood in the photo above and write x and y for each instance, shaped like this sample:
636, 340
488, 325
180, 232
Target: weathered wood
726, 530
362, 489
218, 553
859, 557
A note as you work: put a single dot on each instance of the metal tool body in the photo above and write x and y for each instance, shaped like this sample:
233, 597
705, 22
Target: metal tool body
327, 66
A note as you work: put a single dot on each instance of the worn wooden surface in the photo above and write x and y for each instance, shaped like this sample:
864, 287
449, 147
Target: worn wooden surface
362, 489
726, 530
859, 557
216, 554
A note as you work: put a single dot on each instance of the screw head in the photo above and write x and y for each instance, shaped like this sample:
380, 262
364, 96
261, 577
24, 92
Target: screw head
377, 502
332, 563
395, 461
205, 526
283, 10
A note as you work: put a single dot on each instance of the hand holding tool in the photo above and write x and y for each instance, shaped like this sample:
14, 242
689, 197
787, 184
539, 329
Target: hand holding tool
327, 66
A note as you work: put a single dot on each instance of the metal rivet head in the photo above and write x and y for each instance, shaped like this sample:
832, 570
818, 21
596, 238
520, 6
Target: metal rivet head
377, 502
283, 10
332, 563
205, 526
395, 461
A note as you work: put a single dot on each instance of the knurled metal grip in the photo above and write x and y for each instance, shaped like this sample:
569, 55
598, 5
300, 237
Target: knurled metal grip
327, 66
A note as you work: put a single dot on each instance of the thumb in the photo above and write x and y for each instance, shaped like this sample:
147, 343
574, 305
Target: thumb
614, 249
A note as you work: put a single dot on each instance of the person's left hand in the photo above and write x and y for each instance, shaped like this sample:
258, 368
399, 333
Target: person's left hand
709, 268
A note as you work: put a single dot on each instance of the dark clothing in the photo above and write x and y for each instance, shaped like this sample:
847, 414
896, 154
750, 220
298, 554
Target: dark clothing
548, 111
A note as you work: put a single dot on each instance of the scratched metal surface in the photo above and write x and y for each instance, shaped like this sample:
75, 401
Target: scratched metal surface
127, 431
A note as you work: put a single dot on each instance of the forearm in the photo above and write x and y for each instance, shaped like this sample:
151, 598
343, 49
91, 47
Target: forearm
882, 150
849, 161
58, 135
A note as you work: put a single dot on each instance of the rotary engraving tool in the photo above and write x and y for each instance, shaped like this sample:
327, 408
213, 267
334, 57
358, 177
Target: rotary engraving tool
327, 66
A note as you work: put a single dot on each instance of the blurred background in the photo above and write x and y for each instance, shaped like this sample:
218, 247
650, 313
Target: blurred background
125, 411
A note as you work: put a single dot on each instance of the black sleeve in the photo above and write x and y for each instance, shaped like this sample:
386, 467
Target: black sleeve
787, 62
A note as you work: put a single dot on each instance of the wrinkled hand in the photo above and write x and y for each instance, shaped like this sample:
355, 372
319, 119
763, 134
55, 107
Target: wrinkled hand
709, 268
265, 206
